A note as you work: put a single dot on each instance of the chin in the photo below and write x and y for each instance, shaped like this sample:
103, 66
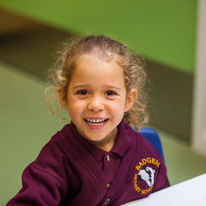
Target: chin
95, 138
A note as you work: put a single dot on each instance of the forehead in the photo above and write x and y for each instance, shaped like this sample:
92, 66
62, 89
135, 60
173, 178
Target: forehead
94, 68
99, 61
104, 54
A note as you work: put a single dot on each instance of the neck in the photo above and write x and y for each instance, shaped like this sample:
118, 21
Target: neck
108, 143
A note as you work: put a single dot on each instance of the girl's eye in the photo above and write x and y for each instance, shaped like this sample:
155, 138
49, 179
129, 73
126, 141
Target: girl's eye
110, 93
83, 92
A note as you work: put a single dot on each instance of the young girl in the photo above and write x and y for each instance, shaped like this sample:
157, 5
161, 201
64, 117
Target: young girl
97, 159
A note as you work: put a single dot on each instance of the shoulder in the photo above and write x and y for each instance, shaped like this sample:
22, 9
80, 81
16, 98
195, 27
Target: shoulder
57, 141
53, 152
142, 143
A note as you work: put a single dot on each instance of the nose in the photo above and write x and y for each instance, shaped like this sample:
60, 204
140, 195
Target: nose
95, 104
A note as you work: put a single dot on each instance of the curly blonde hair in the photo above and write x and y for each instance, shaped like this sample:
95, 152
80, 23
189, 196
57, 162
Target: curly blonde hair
109, 49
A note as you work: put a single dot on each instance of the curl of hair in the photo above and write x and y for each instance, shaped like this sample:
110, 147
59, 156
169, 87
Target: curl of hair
109, 50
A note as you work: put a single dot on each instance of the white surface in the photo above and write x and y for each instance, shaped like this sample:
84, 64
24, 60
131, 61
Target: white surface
189, 193
199, 116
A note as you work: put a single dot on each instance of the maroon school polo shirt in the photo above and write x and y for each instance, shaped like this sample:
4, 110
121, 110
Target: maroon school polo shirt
66, 174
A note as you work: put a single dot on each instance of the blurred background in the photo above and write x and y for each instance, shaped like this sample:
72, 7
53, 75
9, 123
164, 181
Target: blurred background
166, 33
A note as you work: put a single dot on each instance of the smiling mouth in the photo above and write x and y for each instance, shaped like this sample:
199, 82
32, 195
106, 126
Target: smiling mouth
96, 122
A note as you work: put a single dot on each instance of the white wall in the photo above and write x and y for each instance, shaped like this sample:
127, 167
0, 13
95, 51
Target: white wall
199, 113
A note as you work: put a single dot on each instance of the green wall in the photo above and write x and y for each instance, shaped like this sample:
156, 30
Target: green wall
161, 30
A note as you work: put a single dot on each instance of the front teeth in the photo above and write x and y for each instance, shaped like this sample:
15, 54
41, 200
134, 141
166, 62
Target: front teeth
96, 122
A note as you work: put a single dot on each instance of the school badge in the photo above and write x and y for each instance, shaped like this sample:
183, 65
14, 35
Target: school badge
144, 176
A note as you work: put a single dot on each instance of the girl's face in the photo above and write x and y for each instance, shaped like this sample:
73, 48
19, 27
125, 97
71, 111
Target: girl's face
97, 100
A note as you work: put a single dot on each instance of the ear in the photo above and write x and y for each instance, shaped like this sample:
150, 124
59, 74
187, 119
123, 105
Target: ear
62, 100
131, 98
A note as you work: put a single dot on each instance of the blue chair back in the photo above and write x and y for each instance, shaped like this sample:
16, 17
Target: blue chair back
153, 137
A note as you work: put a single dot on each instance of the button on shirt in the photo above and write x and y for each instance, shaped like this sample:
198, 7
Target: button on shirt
109, 166
107, 201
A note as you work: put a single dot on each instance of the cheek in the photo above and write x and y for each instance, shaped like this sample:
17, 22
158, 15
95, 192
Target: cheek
118, 107
76, 108
74, 112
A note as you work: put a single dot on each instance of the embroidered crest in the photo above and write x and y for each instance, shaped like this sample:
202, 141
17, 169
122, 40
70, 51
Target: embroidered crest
146, 174
144, 177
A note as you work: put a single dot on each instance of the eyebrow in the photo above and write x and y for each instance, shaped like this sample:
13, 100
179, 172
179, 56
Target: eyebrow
112, 87
80, 86
106, 86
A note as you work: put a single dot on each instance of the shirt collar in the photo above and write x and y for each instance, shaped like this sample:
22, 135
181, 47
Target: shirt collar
121, 146
96, 152
123, 140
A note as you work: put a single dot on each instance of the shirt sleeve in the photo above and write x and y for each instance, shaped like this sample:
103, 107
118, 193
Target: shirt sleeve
38, 188
162, 180
44, 181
